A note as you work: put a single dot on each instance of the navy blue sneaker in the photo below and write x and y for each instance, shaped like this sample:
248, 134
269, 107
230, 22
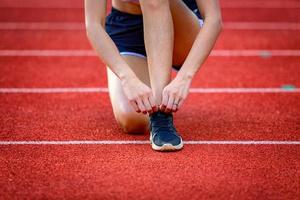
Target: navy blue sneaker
163, 135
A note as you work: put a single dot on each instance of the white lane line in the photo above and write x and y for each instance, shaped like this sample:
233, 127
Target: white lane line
81, 26
42, 26
53, 90
76, 4
250, 53
261, 26
120, 142
260, 4
41, 4
192, 90
91, 53
244, 90
47, 53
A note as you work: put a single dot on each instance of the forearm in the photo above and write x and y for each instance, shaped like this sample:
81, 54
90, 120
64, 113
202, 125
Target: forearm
159, 39
201, 48
108, 52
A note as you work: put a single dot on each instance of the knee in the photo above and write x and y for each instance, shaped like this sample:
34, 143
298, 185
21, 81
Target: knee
154, 4
133, 123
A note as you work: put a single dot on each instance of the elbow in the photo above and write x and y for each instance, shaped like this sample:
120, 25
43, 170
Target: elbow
91, 29
219, 24
88, 32
88, 28
214, 20
92, 26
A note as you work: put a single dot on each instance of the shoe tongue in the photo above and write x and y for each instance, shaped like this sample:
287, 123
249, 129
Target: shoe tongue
161, 119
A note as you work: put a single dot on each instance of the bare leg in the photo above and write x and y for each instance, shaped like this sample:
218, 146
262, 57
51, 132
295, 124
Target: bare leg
186, 28
159, 39
130, 121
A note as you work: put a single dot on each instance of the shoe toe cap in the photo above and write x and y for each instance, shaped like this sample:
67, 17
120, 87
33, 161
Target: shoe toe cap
162, 139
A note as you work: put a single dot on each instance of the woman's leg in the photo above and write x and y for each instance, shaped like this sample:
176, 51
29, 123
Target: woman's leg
168, 41
159, 39
130, 121
186, 28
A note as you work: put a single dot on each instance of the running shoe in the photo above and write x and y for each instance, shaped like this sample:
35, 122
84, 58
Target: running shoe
163, 135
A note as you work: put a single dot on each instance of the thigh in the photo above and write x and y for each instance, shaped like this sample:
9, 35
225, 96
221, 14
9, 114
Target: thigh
186, 28
120, 104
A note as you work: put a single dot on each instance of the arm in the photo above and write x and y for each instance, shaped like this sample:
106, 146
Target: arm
200, 50
138, 94
206, 38
95, 12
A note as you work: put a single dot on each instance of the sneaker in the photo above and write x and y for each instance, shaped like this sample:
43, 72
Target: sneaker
163, 135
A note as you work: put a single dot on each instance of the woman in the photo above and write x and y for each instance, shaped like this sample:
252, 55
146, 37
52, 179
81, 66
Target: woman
140, 42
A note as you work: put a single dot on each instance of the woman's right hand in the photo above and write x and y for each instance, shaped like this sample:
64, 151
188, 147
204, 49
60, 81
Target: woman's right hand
139, 95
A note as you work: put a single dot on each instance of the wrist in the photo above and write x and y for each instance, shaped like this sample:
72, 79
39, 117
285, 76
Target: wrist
128, 78
185, 75
126, 75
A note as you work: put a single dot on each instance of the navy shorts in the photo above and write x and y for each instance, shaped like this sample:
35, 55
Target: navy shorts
126, 30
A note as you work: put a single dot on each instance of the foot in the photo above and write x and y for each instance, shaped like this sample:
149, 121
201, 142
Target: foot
163, 135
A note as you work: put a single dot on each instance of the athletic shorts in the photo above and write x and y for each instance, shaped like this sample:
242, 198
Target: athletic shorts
126, 30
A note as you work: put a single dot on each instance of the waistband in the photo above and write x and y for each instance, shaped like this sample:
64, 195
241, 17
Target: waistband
117, 12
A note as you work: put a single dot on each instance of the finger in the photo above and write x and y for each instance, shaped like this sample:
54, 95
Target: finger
152, 103
170, 103
175, 105
180, 103
135, 106
147, 105
174, 108
182, 99
141, 106
164, 102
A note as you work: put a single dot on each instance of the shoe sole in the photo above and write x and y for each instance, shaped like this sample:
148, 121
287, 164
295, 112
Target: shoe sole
167, 146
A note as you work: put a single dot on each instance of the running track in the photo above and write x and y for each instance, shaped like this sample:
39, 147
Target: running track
241, 122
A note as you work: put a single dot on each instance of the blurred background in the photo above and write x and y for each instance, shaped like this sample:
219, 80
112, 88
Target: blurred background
251, 27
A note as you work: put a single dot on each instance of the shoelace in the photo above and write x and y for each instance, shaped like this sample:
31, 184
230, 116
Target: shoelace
163, 123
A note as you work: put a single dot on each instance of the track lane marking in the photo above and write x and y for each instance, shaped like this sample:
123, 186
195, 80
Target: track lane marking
260, 4
105, 90
81, 26
76, 5
255, 52
261, 26
91, 53
121, 142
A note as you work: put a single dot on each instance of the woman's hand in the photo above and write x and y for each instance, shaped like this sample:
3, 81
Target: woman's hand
139, 95
175, 93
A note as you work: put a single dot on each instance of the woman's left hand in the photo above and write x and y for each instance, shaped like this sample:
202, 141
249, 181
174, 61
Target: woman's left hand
175, 93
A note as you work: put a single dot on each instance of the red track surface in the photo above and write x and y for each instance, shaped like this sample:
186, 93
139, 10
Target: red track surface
134, 172
77, 39
267, 171
75, 14
205, 116
79, 72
